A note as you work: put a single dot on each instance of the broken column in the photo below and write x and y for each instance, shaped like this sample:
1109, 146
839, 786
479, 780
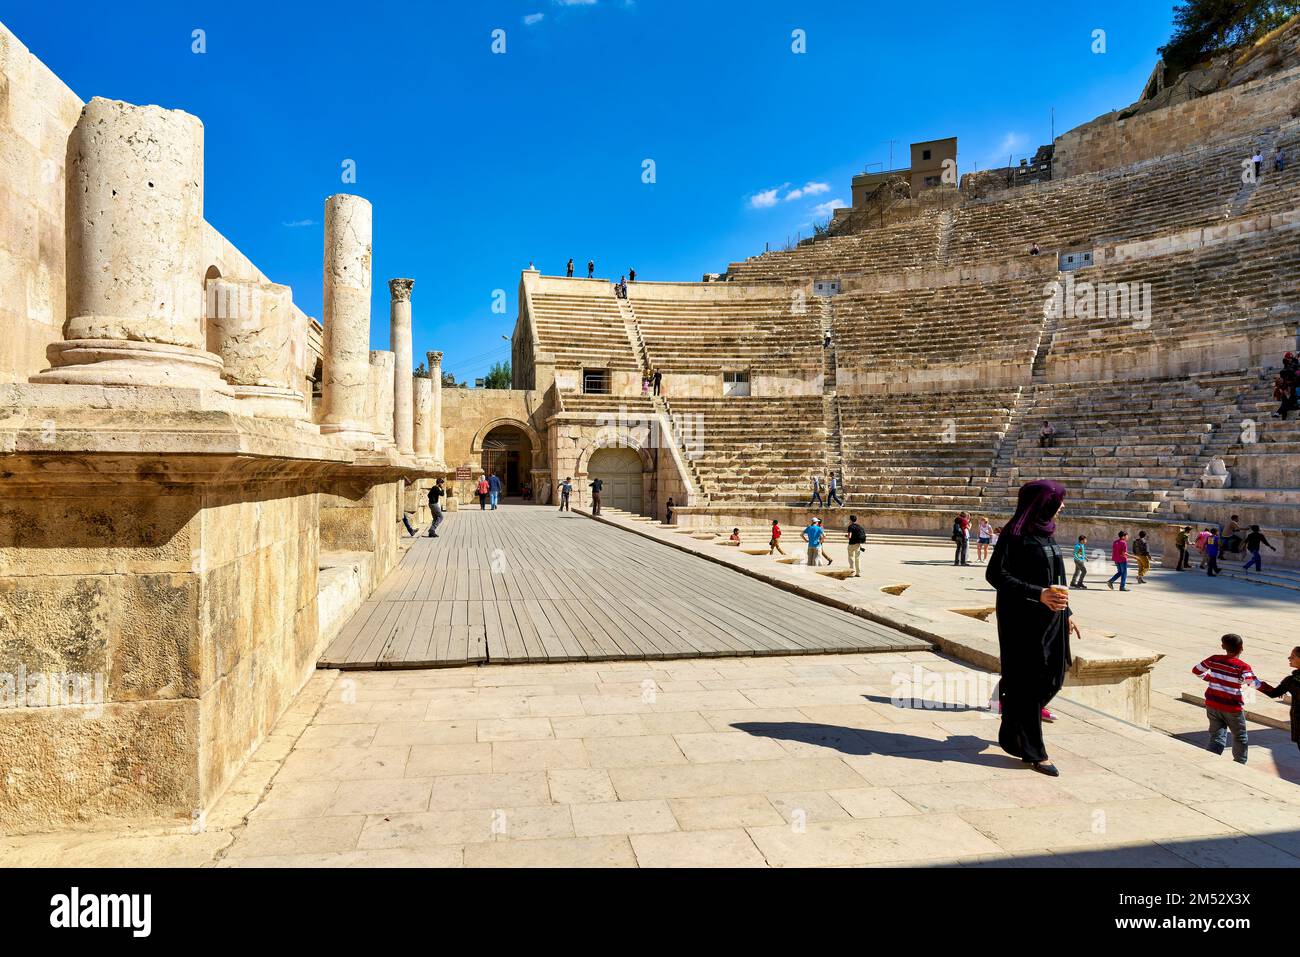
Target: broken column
399, 340
379, 407
260, 344
435, 417
346, 389
134, 235
422, 417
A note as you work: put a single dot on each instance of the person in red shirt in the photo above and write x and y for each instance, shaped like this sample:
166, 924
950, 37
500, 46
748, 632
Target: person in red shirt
1224, 705
1119, 555
775, 544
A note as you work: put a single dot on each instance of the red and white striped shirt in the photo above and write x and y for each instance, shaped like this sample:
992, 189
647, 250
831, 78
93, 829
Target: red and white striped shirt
1225, 676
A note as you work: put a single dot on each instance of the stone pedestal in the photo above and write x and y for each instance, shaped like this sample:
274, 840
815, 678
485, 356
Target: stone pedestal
435, 424
346, 388
422, 412
134, 233
379, 404
251, 327
399, 340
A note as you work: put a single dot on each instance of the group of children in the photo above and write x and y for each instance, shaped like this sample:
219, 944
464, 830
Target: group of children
1213, 542
1225, 704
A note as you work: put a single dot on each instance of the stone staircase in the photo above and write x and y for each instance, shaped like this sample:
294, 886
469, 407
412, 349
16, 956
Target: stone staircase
633, 330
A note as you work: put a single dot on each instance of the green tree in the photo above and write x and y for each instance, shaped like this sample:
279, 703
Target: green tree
499, 377
449, 381
1205, 27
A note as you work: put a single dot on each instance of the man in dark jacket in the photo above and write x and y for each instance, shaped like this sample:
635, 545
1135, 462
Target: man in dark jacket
596, 486
435, 507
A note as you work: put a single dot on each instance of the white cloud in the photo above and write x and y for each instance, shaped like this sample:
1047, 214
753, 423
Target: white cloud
1012, 143
299, 223
808, 189
765, 199
574, 3
532, 18
827, 208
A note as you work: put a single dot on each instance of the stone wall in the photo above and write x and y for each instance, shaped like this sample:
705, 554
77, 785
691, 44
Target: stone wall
1111, 141
36, 113
469, 414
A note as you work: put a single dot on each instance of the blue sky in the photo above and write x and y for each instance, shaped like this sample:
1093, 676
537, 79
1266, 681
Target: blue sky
478, 163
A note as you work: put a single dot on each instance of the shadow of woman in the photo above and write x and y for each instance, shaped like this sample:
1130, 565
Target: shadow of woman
860, 741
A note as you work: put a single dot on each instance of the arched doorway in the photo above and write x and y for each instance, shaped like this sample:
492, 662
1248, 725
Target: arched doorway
620, 470
508, 453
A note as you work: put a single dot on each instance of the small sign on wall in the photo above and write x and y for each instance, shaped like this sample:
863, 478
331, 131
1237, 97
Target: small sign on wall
462, 473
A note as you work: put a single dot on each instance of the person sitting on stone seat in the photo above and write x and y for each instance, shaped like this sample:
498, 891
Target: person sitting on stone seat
1047, 436
1034, 250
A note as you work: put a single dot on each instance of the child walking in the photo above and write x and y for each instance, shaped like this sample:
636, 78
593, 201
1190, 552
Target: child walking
775, 544
1289, 685
1224, 705
1080, 563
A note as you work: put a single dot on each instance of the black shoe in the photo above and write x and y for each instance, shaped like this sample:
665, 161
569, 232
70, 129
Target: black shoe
1045, 767
1083, 586
432, 535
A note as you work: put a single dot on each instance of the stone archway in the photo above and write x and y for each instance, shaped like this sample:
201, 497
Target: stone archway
507, 452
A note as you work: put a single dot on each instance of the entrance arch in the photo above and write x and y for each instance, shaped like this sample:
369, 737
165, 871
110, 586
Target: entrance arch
620, 470
507, 452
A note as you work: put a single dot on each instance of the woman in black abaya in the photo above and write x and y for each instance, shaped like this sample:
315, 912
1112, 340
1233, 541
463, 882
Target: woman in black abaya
1034, 623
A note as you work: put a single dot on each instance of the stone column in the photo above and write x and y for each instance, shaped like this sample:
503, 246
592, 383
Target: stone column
379, 405
435, 420
261, 345
422, 415
347, 320
399, 340
134, 262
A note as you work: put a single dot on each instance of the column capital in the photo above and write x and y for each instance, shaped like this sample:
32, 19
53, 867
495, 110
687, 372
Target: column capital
435, 359
400, 289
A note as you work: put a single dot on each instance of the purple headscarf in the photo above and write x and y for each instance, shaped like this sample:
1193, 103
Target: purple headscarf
1036, 508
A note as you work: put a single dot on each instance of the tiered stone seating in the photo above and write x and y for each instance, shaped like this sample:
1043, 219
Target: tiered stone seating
1278, 192
753, 449
583, 331
922, 451
1167, 194
888, 337
637, 405
1121, 448
1198, 300
1171, 193
705, 335
907, 245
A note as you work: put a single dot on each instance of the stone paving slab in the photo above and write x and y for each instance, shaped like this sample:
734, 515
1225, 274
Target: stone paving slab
692, 785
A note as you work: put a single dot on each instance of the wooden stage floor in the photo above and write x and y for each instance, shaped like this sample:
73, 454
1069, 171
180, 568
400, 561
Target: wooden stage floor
529, 583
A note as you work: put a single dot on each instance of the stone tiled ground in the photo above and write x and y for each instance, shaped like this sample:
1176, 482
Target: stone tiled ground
1179, 614
799, 761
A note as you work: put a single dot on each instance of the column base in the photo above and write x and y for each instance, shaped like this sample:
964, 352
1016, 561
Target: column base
350, 435
268, 402
122, 362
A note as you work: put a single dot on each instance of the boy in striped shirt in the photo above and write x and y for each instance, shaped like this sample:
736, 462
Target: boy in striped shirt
1225, 675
